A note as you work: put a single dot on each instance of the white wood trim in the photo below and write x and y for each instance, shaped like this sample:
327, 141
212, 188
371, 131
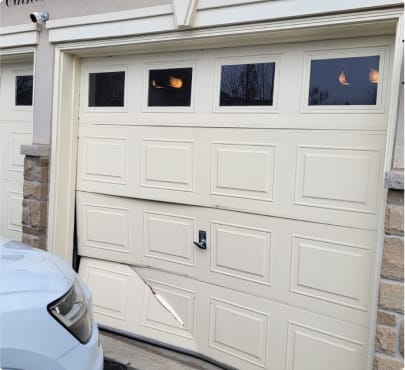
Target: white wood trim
19, 39
20, 35
17, 54
392, 105
184, 12
299, 6
208, 14
294, 30
27, 27
273, 10
61, 206
152, 11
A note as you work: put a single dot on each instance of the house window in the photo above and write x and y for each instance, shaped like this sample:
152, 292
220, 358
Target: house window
170, 87
247, 84
23, 90
106, 89
344, 81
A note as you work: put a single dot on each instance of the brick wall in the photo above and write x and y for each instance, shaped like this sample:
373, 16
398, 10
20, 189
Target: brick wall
35, 195
389, 344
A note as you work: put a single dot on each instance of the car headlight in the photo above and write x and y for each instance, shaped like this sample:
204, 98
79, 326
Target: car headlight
73, 311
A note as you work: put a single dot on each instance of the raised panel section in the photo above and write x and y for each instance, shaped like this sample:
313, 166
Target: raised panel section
243, 170
239, 331
105, 228
110, 291
168, 164
309, 348
105, 160
17, 159
241, 252
331, 271
337, 178
12, 162
14, 211
169, 237
179, 302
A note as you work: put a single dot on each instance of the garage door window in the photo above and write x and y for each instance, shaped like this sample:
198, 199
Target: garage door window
106, 89
344, 81
247, 84
23, 90
170, 87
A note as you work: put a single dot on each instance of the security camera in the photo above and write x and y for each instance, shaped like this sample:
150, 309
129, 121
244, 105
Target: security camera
39, 17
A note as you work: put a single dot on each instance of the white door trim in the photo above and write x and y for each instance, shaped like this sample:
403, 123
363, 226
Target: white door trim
65, 103
20, 35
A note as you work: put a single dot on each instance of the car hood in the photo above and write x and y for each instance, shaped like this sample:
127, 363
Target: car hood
29, 270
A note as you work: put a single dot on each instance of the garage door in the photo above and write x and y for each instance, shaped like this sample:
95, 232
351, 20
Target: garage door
228, 200
15, 130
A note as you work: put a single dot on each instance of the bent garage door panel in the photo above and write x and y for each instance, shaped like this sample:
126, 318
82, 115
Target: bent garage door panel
287, 193
282, 259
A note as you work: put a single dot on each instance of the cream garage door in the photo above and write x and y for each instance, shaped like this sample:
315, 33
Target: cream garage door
228, 199
15, 130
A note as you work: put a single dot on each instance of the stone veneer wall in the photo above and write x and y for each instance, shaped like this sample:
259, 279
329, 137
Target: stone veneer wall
389, 340
35, 195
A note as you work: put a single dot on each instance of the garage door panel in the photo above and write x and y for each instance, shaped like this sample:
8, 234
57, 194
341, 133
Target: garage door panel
311, 176
337, 178
107, 228
133, 307
167, 164
291, 87
253, 333
241, 252
285, 260
182, 305
106, 160
11, 197
317, 267
169, 237
15, 130
231, 326
12, 136
256, 163
332, 351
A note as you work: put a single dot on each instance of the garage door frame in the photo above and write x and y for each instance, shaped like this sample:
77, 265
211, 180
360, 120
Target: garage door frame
66, 100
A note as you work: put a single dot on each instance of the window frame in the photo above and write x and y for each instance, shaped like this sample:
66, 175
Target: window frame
246, 59
85, 78
170, 64
14, 75
309, 56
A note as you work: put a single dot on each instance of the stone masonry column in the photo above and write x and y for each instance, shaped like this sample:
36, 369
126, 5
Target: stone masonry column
389, 340
35, 195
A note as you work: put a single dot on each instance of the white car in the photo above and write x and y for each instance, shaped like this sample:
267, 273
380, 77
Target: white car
46, 319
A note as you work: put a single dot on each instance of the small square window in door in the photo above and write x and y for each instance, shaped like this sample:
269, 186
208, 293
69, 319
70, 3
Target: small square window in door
170, 87
23, 90
247, 84
344, 81
106, 89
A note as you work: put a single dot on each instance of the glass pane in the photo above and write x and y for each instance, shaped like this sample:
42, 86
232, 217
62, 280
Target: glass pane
344, 81
23, 90
247, 84
170, 87
106, 89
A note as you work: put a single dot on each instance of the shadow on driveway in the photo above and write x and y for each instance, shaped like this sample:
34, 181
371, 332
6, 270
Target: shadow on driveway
112, 365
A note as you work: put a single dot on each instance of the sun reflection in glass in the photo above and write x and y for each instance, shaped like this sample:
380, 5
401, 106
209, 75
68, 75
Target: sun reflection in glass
342, 79
373, 76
